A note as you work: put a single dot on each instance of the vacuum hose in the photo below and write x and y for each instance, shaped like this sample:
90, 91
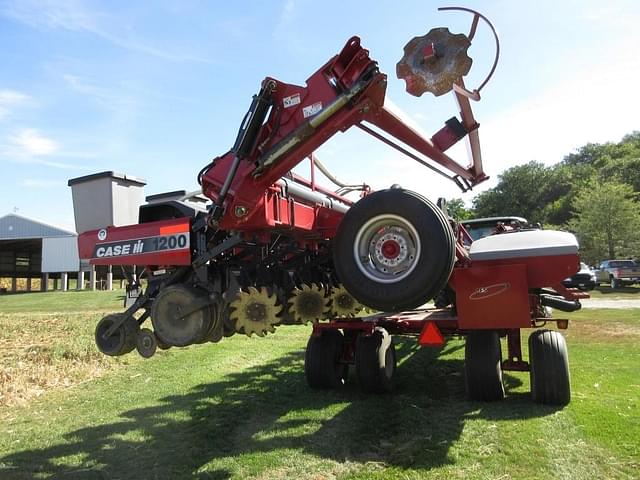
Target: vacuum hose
560, 303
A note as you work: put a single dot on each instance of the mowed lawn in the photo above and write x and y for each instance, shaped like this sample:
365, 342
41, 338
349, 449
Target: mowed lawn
242, 409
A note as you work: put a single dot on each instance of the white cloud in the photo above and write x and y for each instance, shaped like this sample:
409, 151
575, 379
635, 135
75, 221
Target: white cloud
287, 13
39, 183
10, 99
29, 145
30, 142
587, 108
63, 14
76, 16
105, 97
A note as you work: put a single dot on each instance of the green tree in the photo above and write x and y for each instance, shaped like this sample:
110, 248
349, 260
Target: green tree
524, 191
457, 210
606, 221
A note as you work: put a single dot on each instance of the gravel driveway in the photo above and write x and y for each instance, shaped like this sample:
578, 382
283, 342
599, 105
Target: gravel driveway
599, 303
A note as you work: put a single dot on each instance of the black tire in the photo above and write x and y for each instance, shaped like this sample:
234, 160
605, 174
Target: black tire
483, 366
146, 343
549, 373
363, 272
123, 339
614, 283
376, 362
322, 366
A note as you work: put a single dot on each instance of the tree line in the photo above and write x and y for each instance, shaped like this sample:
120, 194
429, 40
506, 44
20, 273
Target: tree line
594, 193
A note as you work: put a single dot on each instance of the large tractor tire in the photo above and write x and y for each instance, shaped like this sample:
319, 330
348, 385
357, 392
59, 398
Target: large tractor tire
394, 250
322, 366
483, 366
549, 372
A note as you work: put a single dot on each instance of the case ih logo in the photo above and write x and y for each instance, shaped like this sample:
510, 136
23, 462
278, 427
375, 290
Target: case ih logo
481, 293
139, 246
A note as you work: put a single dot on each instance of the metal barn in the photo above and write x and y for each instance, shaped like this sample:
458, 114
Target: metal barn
30, 249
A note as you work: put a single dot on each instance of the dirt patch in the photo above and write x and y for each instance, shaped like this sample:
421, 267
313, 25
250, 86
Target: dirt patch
615, 331
610, 303
43, 352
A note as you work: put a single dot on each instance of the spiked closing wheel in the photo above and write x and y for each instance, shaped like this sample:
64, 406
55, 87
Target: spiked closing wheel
434, 62
308, 303
343, 304
255, 311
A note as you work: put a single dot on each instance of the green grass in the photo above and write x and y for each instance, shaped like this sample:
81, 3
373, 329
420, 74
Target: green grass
58, 301
241, 408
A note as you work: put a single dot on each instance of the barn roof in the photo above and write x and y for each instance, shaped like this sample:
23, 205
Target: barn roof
17, 227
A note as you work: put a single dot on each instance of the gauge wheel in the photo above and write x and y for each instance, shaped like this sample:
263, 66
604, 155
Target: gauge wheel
121, 341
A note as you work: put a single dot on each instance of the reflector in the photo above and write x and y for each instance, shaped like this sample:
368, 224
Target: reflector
431, 336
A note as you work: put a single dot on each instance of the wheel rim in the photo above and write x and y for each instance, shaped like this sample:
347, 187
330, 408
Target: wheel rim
387, 248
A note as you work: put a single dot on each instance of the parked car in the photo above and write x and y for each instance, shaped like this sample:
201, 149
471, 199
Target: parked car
618, 273
584, 279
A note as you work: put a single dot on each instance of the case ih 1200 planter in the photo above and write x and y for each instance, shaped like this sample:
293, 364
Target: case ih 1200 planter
274, 248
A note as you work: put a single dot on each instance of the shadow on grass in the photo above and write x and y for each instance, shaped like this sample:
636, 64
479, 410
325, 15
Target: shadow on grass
617, 291
269, 407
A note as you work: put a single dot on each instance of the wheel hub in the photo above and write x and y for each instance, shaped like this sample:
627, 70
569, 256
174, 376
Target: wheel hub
387, 248
391, 248
256, 312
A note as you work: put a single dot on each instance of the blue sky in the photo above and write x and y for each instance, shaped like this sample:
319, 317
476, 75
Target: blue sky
156, 89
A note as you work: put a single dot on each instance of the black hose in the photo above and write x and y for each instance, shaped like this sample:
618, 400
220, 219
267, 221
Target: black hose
560, 303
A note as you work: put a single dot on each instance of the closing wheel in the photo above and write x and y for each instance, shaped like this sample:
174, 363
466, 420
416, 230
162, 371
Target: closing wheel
376, 361
146, 343
549, 372
322, 365
394, 250
122, 341
483, 366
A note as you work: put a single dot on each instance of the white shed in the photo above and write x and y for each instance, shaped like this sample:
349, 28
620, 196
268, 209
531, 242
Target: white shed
31, 249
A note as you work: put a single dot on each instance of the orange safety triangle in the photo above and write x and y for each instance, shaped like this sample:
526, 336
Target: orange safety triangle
431, 336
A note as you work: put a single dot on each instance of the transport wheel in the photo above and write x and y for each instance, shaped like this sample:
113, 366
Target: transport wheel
615, 283
483, 366
394, 250
146, 343
549, 372
376, 361
322, 365
122, 341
